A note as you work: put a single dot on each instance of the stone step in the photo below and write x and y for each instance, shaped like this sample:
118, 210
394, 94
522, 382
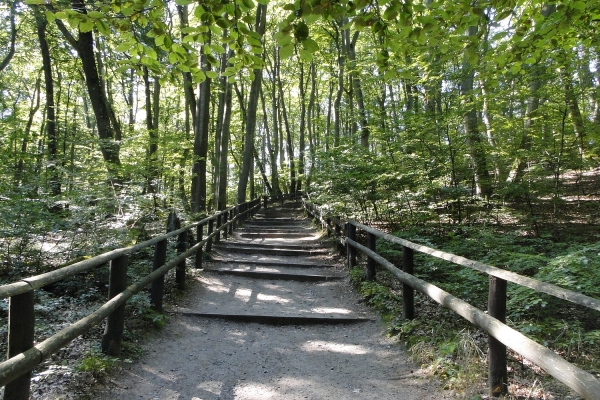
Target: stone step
308, 234
282, 276
274, 264
300, 223
275, 319
273, 252
306, 246
282, 230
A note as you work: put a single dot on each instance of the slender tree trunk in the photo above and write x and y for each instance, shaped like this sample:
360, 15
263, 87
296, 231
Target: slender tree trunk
337, 104
52, 168
573, 105
198, 197
478, 156
289, 144
220, 121
311, 119
13, 36
33, 109
302, 143
365, 131
152, 110
109, 145
272, 148
223, 160
251, 111
533, 103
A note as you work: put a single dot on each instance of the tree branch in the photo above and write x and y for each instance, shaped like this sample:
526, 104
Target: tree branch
13, 37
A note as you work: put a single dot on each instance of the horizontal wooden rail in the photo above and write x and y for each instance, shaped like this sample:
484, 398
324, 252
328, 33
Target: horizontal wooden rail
22, 363
579, 380
39, 281
500, 335
509, 276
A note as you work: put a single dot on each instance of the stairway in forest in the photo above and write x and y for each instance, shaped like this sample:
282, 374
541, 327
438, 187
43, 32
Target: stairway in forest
271, 316
276, 271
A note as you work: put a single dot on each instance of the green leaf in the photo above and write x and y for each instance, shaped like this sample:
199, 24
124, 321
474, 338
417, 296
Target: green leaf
310, 45
199, 76
50, 17
471, 56
217, 48
95, 14
286, 51
212, 74
305, 55
159, 40
248, 3
390, 74
184, 2
103, 27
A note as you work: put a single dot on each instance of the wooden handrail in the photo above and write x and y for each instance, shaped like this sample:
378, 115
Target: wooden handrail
39, 281
22, 363
584, 383
539, 286
581, 381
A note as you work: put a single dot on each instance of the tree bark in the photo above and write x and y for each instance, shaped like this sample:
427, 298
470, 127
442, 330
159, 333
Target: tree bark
198, 199
302, 140
483, 184
251, 111
13, 37
52, 168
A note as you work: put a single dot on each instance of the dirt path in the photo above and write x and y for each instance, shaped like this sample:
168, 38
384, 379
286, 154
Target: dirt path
283, 325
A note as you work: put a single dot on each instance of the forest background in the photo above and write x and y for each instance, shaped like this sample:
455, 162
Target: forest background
472, 126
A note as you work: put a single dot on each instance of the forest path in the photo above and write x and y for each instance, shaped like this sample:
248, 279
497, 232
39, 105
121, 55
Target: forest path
272, 316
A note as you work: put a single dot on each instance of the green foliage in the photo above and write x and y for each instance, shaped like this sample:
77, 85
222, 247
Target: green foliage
97, 363
157, 319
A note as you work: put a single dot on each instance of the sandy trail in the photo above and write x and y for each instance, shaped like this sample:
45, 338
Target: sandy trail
196, 357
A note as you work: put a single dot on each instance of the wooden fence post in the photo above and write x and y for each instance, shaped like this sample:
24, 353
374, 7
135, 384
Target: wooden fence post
372, 245
182, 241
265, 200
328, 227
218, 235
158, 286
200, 252
351, 251
231, 217
115, 323
408, 293
211, 225
497, 376
226, 230
21, 325
338, 233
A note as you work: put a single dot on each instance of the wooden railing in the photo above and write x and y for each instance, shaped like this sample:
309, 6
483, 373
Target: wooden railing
23, 356
493, 322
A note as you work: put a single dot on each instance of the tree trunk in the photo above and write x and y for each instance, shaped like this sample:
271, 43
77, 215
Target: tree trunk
221, 194
152, 109
251, 111
198, 195
84, 45
33, 109
483, 184
533, 103
54, 181
365, 131
302, 143
289, 145
272, 148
